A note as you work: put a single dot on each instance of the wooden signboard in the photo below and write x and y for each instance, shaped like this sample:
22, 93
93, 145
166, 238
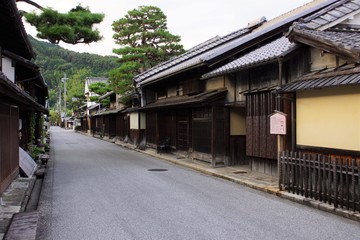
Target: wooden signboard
278, 127
278, 123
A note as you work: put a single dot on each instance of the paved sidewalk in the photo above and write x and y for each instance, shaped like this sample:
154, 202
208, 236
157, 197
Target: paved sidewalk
14, 199
244, 176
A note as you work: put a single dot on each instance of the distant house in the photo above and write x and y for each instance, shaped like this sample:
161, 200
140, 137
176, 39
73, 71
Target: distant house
22, 90
88, 94
110, 118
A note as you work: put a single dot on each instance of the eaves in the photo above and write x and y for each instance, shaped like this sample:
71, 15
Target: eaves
328, 45
165, 75
12, 91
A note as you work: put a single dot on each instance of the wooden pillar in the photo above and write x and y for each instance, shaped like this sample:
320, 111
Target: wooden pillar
157, 133
226, 136
280, 149
213, 136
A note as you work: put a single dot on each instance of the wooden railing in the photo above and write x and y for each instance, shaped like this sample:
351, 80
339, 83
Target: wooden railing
331, 180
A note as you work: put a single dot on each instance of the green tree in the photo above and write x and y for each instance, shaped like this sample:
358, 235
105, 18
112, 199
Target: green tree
54, 118
100, 88
144, 42
75, 88
53, 98
73, 27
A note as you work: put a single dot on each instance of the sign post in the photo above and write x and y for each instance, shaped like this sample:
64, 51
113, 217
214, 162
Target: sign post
278, 127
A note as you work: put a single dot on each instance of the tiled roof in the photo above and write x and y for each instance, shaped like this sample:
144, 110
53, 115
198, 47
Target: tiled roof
343, 43
272, 27
193, 55
273, 50
345, 39
338, 77
200, 55
333, 14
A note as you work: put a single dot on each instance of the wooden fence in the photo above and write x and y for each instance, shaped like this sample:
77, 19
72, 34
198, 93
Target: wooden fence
331, 180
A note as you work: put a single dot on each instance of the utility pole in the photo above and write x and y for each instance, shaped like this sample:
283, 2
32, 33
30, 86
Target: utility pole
64, 79
59, 106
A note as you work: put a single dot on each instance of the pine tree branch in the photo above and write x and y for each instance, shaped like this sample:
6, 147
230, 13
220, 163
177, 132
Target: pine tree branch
31, 3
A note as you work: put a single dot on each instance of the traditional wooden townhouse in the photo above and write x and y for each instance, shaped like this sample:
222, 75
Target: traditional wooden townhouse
91, 106
327, 98
177, 107
204, 115
325, 163
80, 119
111, 118
253, 78
277, 63
23, 93
326, 109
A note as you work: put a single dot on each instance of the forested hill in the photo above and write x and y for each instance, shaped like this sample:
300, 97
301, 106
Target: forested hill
55, 61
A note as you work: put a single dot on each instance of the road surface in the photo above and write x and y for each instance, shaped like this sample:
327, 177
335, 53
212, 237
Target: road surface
98, 190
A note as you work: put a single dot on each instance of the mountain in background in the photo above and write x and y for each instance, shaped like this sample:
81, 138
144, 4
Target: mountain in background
55, 61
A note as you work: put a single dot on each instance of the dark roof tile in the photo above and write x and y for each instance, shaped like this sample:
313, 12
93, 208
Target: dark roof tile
332, 13
188, 55
268, 52
337, 77
220, 46
344, 39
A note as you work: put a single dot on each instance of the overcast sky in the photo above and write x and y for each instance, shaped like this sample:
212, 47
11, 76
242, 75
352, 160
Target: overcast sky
194, 21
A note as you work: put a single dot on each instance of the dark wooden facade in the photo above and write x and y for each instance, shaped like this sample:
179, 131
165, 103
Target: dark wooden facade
122, 126
260, 143
175, 125
9, 142
258, 86
191, 118
112, 121
22, 92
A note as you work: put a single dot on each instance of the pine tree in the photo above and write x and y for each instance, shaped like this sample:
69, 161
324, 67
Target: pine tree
144, 42
73, 27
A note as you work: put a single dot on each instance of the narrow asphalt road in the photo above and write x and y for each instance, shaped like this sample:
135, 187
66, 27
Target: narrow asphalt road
98, 190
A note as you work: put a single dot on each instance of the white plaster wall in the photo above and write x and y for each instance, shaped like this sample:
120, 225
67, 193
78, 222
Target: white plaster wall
134, 120
8, 69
